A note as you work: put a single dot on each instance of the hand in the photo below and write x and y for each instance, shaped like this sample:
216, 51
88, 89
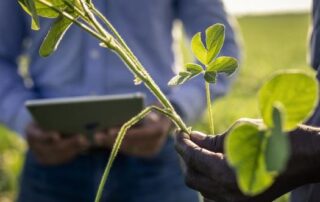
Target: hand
50, 148
209, 173
144, 140
207, 169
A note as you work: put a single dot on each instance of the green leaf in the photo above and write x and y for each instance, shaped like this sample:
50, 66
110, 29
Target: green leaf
210, 76
214, 39
43, 10
180, 78
223, 64
72, 5
54, 36
198, 49
194, 68
245, 147
47, 12
30, 8
278, 147
295, 91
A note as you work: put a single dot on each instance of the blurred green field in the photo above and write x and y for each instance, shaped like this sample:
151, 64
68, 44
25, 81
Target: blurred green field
11, 160
271, 43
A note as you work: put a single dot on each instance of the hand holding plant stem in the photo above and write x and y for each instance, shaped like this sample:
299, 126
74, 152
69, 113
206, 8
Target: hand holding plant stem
279, 102
86, 16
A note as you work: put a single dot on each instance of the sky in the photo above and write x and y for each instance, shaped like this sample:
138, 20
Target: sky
240, 7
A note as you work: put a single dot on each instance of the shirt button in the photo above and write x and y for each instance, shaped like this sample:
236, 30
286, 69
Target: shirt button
94, 54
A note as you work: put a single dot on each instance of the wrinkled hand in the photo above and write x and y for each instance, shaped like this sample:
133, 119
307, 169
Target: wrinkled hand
50, 148
206, 168
144, 140
209, 173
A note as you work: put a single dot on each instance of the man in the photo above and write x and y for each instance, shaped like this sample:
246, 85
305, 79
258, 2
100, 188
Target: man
61, 169
209, 173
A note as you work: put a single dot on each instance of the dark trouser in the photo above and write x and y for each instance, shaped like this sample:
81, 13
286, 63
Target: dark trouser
131, 180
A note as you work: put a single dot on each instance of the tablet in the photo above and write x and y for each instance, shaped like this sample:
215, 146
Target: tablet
85, 115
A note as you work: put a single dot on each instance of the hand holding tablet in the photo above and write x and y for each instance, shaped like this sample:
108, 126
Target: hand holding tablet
85, 115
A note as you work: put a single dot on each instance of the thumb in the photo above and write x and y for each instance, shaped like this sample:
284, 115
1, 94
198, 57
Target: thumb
211, 143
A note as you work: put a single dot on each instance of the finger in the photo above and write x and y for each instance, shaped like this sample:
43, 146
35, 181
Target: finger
108, 139
72, 145
211, 143
66, 150
199, 158
197, 181
212, 187
206, 186
36, 135
103, 139
146, 149
132, 146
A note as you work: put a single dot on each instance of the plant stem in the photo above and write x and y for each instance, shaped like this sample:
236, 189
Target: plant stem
110, 42
119, 46
128, 57
150, 84
117, 36
209, 106
93, 19
117, 145
75, 8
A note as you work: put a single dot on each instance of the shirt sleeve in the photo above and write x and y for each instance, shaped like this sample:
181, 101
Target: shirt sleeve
196, 16
13, 93
314, 56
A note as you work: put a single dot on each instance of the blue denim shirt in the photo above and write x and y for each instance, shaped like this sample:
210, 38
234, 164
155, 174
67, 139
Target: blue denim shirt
80, 67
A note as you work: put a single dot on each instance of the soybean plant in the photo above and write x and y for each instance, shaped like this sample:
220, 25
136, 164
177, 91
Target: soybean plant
258, 152
208, 57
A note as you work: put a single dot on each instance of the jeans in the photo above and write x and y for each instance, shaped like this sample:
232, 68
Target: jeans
158, 179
